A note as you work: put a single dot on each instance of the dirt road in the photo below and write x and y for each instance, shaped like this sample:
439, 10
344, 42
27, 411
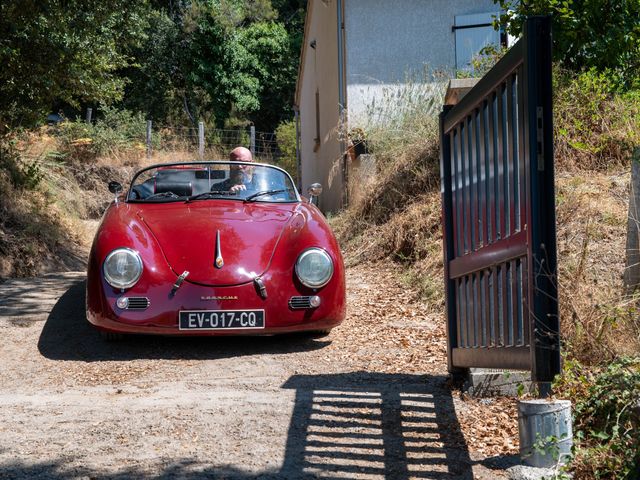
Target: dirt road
368, 401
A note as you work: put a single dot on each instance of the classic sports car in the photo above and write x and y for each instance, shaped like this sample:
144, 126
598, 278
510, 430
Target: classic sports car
185, 253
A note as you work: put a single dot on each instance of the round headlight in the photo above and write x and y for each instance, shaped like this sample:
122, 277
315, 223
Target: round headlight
314, 268
122, 268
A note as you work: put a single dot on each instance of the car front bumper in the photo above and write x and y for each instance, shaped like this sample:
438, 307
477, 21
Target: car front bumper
165, 303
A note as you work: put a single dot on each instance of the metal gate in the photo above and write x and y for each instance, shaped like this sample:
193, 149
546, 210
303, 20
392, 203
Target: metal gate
498, 210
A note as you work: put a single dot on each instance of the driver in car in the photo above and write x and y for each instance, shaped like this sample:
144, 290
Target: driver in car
241, 176
246, 182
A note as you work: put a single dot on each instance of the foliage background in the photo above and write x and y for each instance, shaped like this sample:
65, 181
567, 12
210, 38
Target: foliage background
176, 62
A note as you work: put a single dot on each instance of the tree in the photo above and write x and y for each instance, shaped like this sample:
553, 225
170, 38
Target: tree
212, 60
218, 61
286, 136
63, 50
155, 80
240, 57
291, 13
267, 48
600, 34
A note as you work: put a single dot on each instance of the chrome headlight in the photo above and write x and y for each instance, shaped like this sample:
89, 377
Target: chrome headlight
122, 268
314, 268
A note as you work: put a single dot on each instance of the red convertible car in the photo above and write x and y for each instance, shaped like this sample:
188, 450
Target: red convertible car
189, 252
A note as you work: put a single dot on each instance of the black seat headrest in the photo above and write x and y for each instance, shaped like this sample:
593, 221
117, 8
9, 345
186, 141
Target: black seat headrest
182, 189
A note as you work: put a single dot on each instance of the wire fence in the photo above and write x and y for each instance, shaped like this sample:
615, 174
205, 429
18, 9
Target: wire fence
209, 143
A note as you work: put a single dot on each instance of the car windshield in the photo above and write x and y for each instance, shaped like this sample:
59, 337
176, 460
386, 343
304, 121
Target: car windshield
190, 182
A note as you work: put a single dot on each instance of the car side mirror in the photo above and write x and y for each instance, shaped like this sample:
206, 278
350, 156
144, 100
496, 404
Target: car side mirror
314, 191
115, 188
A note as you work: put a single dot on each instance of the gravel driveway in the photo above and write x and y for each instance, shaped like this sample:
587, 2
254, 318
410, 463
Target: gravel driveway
371, 400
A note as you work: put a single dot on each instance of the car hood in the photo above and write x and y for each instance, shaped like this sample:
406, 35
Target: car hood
187, 234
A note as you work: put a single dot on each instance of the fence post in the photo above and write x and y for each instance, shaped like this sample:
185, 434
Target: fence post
149, 149
632, 270
252, 140
88, 117
201, 140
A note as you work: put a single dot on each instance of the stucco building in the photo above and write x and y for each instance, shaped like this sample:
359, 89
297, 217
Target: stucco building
355, 49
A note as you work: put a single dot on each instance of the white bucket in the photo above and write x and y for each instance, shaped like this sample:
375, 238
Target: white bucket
545, 432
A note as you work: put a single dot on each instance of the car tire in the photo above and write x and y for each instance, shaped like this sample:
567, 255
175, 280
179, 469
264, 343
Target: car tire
111, 336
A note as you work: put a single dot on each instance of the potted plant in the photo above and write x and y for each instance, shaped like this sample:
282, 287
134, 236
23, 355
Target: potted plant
358, 138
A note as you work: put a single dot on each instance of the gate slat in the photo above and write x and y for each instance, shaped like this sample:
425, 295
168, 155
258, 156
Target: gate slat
484, 308
473, 162
455, 204
512, 159
464, 142
484, 175
462, 319
471, 338
519, 306
513, 308
525, 303
504, 159
461, 195
493, 172
522, 140
515, 142
459, 334
497, 333
497, 161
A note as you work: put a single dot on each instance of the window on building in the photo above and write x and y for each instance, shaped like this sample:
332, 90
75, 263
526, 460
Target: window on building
474, 32
316, 140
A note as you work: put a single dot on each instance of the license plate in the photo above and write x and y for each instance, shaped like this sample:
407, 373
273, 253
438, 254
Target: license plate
220, 319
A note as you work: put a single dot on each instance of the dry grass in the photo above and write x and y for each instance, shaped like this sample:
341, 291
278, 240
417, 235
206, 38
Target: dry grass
397, 217
35, 234
597, 322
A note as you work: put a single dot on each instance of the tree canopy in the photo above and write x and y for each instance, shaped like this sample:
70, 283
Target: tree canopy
175, 61
588, 34
69, 51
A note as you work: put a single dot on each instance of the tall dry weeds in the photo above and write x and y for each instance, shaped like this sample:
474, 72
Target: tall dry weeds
398, 218
397, 215
598, 323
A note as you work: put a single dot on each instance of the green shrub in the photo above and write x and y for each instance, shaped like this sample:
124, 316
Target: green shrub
596, 126
286, 137
606, 418
115, 130
22, 175
483, 61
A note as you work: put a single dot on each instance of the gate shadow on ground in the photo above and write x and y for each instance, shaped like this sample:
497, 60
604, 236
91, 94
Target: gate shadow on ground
374, 425
67, 335
356, 425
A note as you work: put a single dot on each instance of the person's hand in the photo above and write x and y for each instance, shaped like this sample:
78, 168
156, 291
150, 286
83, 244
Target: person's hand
237, 188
